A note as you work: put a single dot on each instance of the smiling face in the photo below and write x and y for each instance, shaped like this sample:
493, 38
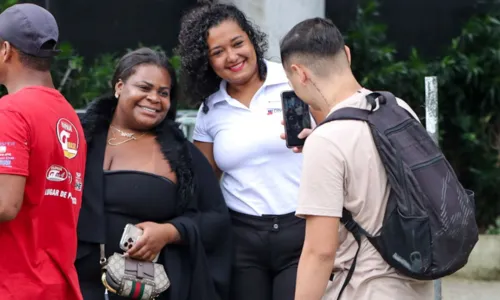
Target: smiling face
144, 97
231, 53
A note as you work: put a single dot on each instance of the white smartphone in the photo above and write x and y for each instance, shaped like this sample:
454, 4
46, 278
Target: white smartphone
130, 236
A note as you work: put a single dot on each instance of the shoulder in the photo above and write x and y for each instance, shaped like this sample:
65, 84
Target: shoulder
342, 136
13, 110
407, 107
12, 103
337, 130
275, 73
215, 97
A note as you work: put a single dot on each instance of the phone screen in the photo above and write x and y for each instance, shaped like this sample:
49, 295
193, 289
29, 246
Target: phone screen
296, 116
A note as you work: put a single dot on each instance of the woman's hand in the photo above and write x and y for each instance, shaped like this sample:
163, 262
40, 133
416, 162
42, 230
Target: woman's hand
153, 239
302, 135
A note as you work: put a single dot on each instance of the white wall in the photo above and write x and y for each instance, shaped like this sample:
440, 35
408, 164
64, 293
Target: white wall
277, 17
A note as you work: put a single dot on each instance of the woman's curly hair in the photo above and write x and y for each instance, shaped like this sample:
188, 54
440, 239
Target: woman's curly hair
198, 77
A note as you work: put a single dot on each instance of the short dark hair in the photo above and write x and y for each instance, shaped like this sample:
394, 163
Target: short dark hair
196, 73
312, 39
42, 64
128, 64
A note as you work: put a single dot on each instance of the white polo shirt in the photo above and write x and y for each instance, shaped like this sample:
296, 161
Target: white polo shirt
261, 175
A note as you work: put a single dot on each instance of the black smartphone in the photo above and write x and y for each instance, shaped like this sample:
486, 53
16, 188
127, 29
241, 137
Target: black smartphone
296, 116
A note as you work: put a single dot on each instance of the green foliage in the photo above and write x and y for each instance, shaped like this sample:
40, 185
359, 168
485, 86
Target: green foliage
82, 82
494, 228
469, 85
469, 91
469, 88
6, 3
374, 62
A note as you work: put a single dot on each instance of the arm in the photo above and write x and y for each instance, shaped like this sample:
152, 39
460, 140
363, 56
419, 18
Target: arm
214, 219
208, 151
14, 161
214, 224
209, 210
321, 199
205, 141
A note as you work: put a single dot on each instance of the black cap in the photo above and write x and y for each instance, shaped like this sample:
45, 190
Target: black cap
28, 27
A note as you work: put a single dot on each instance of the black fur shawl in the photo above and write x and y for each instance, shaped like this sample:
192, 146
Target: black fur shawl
200, 267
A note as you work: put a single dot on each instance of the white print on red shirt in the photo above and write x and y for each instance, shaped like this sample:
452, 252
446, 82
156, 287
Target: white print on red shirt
62, 194
6, 157
58, 173
78, 182
67, 134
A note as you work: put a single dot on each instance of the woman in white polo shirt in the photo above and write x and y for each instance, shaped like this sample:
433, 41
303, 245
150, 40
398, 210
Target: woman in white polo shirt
238, 129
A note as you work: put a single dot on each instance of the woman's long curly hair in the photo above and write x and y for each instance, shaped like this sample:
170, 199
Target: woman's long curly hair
198, 77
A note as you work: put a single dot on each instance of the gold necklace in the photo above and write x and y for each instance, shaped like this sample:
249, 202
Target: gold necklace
128, 135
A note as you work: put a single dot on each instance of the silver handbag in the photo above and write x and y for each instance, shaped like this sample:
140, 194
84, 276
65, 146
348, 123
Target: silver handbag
131, 278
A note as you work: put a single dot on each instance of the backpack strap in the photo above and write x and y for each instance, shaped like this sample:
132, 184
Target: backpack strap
351, 113
347, 113
357, 232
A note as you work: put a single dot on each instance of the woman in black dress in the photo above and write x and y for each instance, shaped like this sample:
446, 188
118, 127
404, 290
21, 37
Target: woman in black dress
141, 170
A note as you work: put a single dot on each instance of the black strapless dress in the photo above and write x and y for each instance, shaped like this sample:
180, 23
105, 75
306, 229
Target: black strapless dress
129, 197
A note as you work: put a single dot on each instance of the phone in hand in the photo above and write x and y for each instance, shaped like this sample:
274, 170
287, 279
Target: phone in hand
296, 117
130, 236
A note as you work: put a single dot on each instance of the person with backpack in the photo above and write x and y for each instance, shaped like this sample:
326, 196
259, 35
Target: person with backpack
385, 213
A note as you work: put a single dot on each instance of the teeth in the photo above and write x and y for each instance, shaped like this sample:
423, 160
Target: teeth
148, 109
237, 66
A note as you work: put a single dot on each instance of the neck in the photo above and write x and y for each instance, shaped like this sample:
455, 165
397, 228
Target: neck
119, 122
245, 90
27, 78
345, 86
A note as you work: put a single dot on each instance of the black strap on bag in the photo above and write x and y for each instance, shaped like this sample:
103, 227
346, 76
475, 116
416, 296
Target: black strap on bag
357, 232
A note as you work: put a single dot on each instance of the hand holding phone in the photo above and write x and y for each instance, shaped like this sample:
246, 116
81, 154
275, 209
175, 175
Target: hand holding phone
153, 237
130, 236
304, 134
297, 120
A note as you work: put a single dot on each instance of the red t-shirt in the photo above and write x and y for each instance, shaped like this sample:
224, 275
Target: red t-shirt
41, 138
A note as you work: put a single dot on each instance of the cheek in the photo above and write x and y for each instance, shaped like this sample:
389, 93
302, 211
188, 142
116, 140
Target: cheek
217, 64
166, 104
251, 52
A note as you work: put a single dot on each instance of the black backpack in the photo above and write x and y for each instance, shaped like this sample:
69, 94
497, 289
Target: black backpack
429, 227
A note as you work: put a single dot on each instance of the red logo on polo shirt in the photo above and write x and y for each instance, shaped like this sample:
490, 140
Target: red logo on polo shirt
67, 135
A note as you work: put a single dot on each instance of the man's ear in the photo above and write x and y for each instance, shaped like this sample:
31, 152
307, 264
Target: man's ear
6, 51
300, 72
348, 54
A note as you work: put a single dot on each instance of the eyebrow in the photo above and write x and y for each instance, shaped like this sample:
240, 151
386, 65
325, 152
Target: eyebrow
236, 37
232, 40
151, 85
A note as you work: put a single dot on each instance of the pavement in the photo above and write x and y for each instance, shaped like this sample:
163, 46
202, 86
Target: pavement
454, 288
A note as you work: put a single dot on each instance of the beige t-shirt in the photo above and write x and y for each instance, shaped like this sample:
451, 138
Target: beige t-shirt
342, 168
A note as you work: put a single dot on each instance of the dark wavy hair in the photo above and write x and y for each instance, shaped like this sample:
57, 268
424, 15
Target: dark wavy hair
128, 64
198, 77
176, 147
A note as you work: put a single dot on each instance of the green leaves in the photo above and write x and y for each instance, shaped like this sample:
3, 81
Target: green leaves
469, 89
81, 81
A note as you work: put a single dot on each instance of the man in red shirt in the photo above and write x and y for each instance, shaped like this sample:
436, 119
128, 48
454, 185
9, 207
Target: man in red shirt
42, 164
